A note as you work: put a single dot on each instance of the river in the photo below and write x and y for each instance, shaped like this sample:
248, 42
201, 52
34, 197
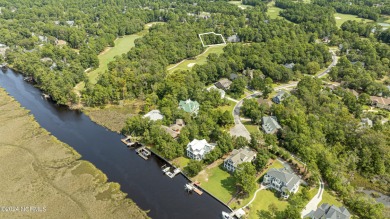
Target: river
142, 180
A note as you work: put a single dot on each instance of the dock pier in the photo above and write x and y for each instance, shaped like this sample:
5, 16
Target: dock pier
143, 152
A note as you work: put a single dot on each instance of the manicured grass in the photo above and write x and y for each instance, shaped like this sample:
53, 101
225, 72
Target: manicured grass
276, 165
181, 162
122, 45
251, 127
228, 107
273, 12
341, 18
263, 199
239, 4
200, 59
218, 182
327, 197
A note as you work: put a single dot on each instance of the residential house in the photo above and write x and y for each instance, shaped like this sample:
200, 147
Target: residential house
189, 106
326, 211
289, 65
70, 23
380, 102
280, 96
366, 123
356, 94
197, 149
233, 76
3, 49
233, 39
282, 181
270, 124
154, 115
223, 84
238, 157
174, 129
222, 92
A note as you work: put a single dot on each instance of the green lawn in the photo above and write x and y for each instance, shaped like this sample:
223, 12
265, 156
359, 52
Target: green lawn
200, 59
218, 182
181, 162
122, 45
239, 4
263, 199
327, 197
273, 12
341, 18
228, 107
251, 127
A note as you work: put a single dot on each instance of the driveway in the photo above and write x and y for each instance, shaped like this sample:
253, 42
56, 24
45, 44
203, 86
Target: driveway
313, 203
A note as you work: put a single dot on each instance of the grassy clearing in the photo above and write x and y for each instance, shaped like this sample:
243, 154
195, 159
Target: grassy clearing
263, 199
273, 12
42, 171
341, 18
181, 162
122, 45
114, 117
239, 4
217, 181
327, 197
200, 59
229, 107
251, 127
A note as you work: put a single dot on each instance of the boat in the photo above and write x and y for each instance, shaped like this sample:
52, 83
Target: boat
166, 169
226, 215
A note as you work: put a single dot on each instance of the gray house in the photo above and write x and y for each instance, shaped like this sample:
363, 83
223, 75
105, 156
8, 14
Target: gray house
223, 84
280, 96
270, 124
282, 181
326, 211
237, 157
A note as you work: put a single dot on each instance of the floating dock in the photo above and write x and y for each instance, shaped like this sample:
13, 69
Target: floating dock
143, 152
192, 187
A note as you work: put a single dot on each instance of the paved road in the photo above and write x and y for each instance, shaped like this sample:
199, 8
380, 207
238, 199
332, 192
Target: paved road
313, 203
239, 129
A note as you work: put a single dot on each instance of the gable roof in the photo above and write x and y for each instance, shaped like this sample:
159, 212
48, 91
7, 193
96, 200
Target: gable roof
171, 132
283, 175
241, 155
223, 83
326, 211
189, 106
154, 115
270, 124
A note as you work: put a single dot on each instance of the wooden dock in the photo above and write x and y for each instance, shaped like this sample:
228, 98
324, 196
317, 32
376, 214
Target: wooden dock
127, 141
143, 152
192, 187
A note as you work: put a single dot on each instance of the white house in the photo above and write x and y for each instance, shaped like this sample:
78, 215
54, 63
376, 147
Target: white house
282, 181
154, 115
197, 149
238, 157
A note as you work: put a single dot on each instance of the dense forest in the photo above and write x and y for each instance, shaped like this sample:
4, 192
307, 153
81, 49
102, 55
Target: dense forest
55, 42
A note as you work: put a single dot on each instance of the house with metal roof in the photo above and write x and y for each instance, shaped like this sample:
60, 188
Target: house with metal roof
280, 96
154, 115
238, 157
270, 124
189, 106
197, 149
326, 211
282, 181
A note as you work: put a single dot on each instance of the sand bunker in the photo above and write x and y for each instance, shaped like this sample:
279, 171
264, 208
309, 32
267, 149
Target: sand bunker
191, 65
338, 18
